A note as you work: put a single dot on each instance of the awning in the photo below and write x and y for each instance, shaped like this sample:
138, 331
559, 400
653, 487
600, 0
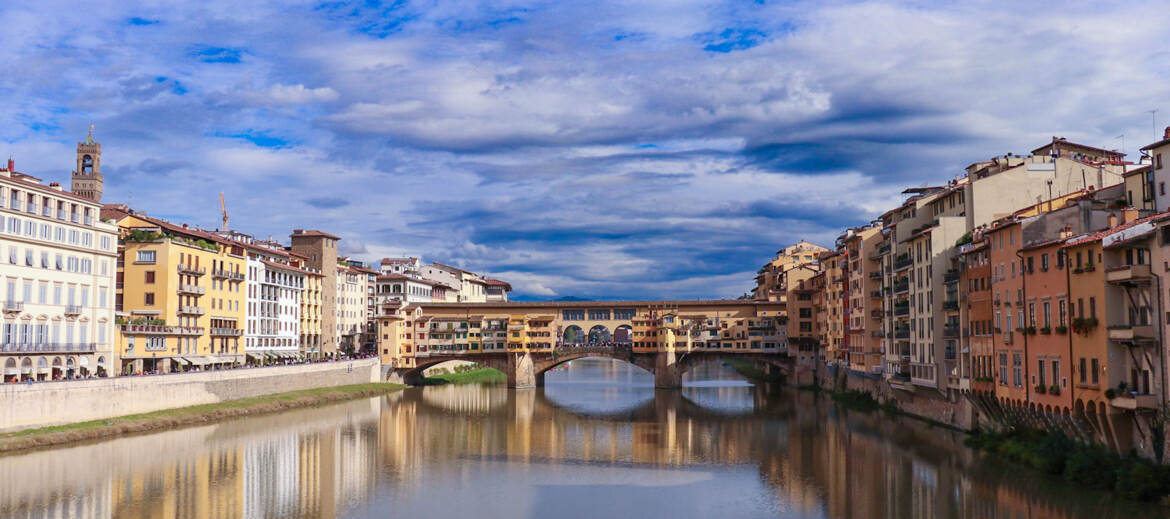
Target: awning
256, 356
181, 360
198, 361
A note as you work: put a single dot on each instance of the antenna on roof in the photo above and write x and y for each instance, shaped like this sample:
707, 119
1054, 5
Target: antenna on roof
1153, 122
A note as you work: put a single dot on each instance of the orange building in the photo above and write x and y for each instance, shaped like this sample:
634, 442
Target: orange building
979, 317
1046, 313
1007, 301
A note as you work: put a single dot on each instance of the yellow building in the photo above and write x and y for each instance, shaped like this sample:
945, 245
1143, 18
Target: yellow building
180, 296
311, 312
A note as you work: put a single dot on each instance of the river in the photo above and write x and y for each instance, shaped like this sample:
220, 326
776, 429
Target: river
597, 441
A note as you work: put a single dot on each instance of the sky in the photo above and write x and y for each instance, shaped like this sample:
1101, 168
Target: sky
596, 149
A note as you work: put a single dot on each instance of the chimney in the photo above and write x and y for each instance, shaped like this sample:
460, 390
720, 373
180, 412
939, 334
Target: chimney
1166, 133
55, 185
1112, 220
1129, 214
1066, 233
12, 162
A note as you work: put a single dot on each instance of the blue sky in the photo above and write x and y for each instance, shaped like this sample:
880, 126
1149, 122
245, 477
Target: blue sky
590, 149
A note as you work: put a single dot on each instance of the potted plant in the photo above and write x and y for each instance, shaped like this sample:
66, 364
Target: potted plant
1054, 389
1040, 389
1062, 330
1031, 330
1110, 394
1046, 330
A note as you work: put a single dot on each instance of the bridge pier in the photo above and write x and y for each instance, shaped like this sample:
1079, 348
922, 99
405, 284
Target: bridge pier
668, 371
521, 373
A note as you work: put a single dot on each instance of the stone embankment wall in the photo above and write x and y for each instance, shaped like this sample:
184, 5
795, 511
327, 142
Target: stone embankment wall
24, 406
954, 410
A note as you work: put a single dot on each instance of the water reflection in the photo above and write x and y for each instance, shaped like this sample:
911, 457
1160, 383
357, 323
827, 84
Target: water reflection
597, 441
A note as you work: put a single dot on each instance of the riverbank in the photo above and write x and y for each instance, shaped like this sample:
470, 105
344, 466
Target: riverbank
1057, 455
751, 371
191, 415
475, 376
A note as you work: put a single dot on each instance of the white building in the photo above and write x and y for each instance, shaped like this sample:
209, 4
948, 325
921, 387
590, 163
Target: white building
275, 286
58, 264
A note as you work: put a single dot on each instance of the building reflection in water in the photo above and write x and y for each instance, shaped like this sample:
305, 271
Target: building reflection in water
597, 429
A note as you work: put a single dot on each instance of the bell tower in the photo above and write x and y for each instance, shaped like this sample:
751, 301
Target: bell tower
87, 178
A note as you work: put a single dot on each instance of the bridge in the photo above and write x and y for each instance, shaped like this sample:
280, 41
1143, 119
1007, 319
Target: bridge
525, 340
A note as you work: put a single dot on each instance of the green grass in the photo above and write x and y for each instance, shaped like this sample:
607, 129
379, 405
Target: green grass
1087, 465
475, 376
751, 371
155, 420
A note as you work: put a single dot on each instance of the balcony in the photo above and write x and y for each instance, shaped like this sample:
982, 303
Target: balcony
190, 270
951, 305
13, 306
876, 314
226, 332
951, 331
877, 334
875, 275
1128, 274
901, 310
48, 347
1134, 402
902, 333
191, 310
227, 274
901, 288
72, 309
875, 294
1132, 332
902, 263
951, 276
191, 289
157, 329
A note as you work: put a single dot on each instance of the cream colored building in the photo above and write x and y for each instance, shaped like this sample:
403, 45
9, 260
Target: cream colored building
770, 282
351, 306
58, 264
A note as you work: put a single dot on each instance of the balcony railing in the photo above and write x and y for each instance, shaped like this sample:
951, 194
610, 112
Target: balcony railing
875, 294
191, 310
13, 306
902, 333
227, 332
191, 289
227, 274
1134, 402
951, 305
1128, 274
901, 288
951, 332
902, 264
188, 269
160, 329
1132, 332
951, 276
32, 347
900, 311
72, 309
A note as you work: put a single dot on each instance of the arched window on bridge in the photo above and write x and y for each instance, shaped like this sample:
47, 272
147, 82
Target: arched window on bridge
598, 334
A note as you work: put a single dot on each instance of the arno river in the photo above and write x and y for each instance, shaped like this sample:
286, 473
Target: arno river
596, 441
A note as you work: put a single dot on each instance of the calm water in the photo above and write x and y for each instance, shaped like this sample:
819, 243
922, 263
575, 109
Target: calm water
597, 441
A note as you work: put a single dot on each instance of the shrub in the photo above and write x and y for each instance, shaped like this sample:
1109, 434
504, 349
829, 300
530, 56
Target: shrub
1141, 480
1091, 467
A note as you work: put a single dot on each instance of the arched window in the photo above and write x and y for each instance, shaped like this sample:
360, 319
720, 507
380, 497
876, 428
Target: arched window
86, 164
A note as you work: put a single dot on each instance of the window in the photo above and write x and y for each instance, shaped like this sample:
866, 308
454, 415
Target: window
1003, 369
1084, 372
1017, 369
145, 256
1040, 370
148, 299
1047, 314
149, 275
1096, 371
1043, 262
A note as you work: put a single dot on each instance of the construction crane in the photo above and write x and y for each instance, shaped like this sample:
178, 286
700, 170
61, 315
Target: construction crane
223, 207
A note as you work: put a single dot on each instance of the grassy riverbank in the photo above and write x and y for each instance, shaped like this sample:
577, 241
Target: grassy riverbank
198, 414
1092, 466
474, 376
751, 371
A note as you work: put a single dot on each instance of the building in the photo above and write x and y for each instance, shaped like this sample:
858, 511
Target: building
319, 250
276, 282
181, 295
351, 297
409, 266
863, 298
311, 311
977, 315
58, 264
1159, 153
769, 279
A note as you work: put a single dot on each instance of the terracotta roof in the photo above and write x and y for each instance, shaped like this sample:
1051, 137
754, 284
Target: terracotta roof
395, 261
497, 282
283, 266
312, 232
1162, 142
1096, 236
1066, 142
